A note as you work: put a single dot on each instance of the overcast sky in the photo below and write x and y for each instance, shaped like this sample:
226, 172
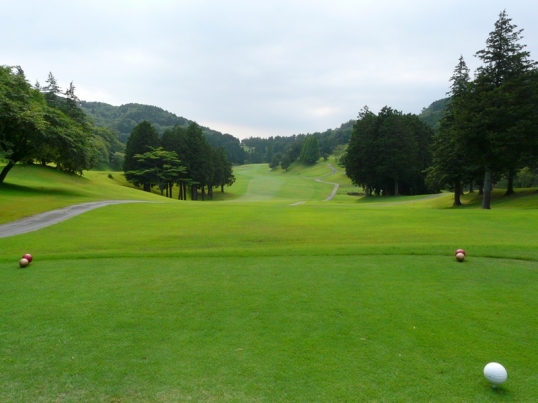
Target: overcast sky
255, 68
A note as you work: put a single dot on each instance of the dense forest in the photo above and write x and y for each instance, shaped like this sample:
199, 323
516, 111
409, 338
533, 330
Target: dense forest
388, 153
123, 119
264, 150
331, 141
181, 156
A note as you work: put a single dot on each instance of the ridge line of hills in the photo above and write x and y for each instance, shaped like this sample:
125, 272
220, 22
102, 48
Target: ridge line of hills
122, 119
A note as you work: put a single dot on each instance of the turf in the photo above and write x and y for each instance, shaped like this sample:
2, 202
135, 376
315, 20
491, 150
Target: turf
30, 189
260, 299
271, 329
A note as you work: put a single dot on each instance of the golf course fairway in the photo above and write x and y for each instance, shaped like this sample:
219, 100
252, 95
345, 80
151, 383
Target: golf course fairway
267, 294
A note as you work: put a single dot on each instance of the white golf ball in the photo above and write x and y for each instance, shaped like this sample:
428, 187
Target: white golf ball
495, 373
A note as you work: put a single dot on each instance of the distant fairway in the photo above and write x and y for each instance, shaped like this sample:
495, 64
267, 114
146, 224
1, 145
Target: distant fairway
260, 299
265, 185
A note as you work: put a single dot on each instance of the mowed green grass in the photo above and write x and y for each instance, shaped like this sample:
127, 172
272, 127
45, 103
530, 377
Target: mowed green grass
30, 190
264, 300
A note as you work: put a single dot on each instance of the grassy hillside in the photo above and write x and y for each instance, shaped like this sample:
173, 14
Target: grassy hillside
258, 298
32, 189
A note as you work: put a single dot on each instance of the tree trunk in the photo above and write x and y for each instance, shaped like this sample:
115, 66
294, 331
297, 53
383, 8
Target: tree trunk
486, 198
5, 171
480, 188
222, 188
510, 187
471, 189
457, 193
396, 191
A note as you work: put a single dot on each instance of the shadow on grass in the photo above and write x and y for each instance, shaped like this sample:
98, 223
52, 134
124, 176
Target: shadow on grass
14, 190
499, 199
389, 199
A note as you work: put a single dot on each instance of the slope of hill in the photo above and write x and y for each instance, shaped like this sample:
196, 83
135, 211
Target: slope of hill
433, 113
125, 117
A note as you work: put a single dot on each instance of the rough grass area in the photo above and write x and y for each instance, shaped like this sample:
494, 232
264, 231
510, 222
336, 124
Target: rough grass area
261, 299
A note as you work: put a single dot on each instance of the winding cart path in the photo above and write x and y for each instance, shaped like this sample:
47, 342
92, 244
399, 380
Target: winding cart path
42, 220
336, 185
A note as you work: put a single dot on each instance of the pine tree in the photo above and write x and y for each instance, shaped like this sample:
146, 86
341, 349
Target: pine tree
143, 138
498, 136
362, 154
450, 161
310, 152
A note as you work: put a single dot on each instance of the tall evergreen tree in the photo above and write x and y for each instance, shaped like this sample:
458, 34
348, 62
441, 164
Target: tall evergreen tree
388, 153
310, 152
175, 139
497, 135
201, 169
451, 163
52, 91
362, 153
223, 169
143, 138
399, 150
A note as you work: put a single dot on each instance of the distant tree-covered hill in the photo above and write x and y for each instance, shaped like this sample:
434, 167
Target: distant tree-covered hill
433, 113
263, 149
124, 118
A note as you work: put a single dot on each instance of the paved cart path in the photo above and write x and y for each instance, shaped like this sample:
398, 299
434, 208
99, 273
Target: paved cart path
39, 221
336, 185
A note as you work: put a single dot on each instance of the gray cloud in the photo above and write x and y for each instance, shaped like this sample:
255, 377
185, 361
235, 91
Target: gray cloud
255, 68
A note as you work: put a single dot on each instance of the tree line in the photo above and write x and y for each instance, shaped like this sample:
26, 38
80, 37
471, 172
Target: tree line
182, 157
490, 126
283, 150
488, 129
388, 153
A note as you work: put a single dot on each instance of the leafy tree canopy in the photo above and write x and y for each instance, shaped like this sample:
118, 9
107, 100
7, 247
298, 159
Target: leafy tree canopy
46, 127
